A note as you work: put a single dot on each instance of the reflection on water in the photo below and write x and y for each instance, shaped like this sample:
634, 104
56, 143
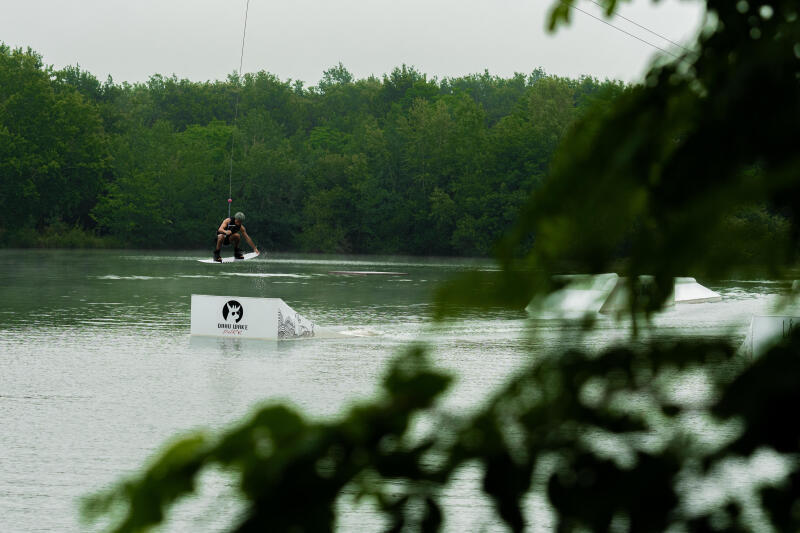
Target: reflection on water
97, 368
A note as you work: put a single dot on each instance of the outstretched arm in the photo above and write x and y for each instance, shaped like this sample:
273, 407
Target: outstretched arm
249, 240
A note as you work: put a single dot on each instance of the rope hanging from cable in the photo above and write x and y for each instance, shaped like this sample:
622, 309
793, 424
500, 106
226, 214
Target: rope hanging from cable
236, 111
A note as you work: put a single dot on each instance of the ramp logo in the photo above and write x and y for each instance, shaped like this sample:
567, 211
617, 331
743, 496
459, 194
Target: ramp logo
234, 310
232, 314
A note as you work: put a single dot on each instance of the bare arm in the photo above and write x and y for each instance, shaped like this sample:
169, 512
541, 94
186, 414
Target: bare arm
223, 228
249, 240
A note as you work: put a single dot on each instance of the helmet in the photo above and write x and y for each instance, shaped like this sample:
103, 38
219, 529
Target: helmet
239, 216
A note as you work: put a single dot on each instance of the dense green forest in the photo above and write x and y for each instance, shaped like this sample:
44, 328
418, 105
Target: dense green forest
401, 164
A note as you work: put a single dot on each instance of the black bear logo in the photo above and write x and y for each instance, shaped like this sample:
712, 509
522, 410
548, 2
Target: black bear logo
233, 309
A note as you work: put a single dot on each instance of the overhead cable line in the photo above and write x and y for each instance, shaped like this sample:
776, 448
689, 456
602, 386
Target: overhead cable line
236, 110
626, 32
644, 28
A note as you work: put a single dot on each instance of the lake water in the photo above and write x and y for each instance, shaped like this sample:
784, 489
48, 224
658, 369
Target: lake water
98, 370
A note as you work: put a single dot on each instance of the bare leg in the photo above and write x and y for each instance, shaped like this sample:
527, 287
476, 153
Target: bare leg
236, 239
220, 240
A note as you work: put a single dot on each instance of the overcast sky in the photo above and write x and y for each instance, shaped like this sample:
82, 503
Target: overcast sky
298, 39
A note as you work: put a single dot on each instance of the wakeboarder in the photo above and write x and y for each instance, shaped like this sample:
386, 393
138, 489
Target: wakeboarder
231, 231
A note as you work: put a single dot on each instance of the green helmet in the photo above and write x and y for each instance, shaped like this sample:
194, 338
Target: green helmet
239, 216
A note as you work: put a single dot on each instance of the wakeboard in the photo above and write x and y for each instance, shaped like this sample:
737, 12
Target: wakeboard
230, 259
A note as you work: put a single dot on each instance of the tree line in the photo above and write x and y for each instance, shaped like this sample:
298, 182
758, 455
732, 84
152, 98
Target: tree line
404, 163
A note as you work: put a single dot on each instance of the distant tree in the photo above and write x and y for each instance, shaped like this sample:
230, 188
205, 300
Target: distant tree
496, 95
170, 187
53, 150
263, 91
80, 80
403, 85
184, 103
274, 193
337, 75
525, 140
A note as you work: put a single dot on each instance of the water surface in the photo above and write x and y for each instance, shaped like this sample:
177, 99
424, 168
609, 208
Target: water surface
97, 368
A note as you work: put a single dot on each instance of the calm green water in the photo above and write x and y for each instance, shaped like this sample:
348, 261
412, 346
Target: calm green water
97, 368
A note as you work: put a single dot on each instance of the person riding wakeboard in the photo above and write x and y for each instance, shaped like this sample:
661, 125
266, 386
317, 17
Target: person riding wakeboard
232, 230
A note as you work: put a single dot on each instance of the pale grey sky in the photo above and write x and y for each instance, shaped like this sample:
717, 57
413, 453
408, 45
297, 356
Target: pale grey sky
299, 39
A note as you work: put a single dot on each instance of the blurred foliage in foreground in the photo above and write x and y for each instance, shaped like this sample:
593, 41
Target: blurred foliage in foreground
662, 175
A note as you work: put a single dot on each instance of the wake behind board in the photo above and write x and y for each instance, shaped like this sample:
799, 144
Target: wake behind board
365, 273
230, 259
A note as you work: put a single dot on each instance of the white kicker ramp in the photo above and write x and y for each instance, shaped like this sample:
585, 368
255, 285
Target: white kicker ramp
766, 331
608, 293
687, 290
239, 317
581, 294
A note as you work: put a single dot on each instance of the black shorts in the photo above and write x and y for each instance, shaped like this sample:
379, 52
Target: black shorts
226, 241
